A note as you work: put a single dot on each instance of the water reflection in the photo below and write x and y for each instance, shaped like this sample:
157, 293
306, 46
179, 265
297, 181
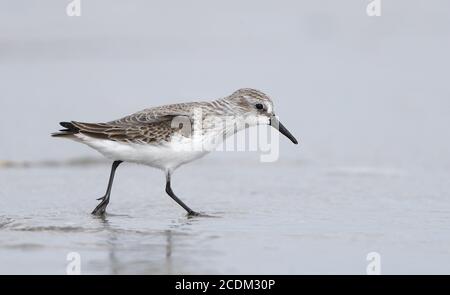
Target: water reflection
144, 252
111, 241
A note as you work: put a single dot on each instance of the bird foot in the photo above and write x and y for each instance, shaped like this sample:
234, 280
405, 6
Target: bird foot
101, 208
101, 198
193, 213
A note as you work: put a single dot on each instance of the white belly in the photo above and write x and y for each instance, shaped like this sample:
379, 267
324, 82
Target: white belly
164, 156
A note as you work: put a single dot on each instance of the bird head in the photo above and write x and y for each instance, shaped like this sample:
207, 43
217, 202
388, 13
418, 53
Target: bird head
257, 109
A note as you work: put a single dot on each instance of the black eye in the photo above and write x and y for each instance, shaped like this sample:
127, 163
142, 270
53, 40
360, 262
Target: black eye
259, 106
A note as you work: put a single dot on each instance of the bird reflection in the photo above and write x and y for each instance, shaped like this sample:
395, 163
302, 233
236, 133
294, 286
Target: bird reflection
150, 252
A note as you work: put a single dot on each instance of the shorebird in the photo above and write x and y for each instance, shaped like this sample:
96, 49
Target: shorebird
169, 136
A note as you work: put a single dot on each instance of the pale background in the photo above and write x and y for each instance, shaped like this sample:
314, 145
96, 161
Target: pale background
368, 98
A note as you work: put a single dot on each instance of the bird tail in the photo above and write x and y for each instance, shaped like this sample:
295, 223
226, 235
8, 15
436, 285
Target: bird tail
69, 130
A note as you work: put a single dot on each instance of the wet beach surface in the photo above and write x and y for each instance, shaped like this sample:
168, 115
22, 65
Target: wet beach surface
287, 217
367, 97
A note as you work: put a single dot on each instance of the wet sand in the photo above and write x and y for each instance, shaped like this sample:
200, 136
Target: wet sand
288, 217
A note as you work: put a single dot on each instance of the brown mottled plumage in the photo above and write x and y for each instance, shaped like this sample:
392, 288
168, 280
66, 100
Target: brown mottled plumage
153, 125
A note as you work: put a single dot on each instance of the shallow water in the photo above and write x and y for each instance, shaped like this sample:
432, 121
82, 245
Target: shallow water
367, 97
287, 217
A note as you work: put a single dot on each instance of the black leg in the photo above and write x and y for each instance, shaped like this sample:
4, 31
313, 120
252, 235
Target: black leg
175, 198
100, 209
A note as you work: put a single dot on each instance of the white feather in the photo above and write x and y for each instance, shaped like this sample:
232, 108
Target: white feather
166, 156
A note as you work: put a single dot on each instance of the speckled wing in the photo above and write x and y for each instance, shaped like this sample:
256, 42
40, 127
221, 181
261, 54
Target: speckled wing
149, 126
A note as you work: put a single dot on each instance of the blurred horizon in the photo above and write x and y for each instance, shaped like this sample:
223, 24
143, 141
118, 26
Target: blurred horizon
353, 88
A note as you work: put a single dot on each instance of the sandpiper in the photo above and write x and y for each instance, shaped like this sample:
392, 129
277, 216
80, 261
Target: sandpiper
168, 136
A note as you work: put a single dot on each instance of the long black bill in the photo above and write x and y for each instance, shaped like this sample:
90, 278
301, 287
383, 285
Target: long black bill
275, 123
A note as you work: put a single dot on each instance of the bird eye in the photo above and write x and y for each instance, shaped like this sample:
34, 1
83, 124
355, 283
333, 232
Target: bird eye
259, 106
